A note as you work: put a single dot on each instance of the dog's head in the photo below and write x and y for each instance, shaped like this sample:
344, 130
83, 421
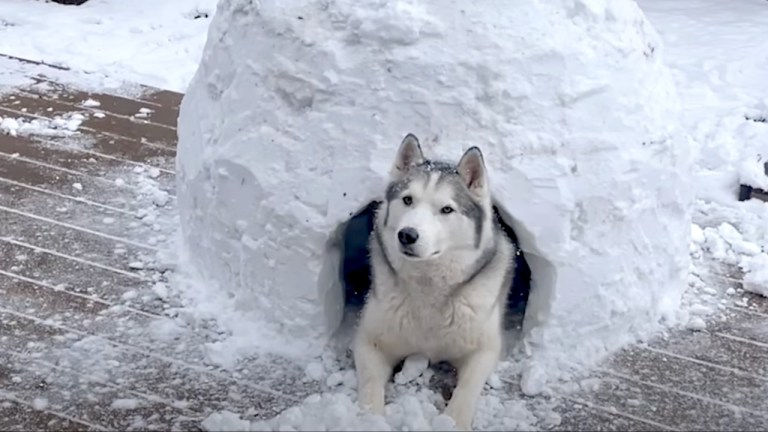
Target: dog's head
433, 207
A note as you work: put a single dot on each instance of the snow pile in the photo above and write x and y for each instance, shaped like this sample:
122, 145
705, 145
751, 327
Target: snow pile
719, 63
740, 242
569, 101
754, 170
59, 126
414, 407
718, 57
143, 41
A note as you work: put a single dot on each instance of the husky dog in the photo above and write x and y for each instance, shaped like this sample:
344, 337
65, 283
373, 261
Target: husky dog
441, 269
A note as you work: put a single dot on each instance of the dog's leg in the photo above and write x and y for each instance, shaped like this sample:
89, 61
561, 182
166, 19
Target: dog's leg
474, 371
373, 371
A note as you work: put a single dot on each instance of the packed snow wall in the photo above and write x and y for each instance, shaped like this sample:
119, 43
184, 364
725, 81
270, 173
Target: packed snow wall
292, 122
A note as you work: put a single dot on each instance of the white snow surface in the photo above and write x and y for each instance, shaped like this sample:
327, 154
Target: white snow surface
155, 43
569, 100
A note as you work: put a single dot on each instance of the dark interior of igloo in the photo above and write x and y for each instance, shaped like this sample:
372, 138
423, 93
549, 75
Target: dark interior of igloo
356, 271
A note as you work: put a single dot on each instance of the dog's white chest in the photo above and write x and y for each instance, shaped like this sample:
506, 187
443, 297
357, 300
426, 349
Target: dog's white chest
435, 327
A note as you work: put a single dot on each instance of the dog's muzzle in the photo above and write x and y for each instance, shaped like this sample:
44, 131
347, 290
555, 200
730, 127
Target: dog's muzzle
407, 236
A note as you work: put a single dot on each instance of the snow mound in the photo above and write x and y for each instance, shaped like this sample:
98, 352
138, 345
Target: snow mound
741, 242
291, 124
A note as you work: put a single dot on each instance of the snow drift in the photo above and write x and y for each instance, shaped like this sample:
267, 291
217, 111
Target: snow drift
294, 116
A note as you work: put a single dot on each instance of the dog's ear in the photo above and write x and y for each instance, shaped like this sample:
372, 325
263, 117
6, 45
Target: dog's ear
409, 154
472, 170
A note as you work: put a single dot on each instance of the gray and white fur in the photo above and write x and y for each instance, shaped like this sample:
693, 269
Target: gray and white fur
442, 269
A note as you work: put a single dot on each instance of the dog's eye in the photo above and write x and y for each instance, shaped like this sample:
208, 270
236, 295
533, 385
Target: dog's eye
446, 210
407, 200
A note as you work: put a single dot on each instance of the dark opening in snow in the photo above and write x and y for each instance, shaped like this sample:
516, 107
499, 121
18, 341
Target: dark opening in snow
356, 271
70, 2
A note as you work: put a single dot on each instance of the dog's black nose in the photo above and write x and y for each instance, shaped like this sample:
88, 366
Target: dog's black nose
407, 236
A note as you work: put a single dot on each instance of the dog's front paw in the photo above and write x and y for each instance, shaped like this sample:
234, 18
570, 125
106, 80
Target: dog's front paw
371, 401
460, 416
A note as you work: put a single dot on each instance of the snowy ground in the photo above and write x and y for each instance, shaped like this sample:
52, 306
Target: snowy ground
143, 41
717, 53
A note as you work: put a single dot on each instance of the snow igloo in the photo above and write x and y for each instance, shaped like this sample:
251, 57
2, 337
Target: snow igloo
292, 122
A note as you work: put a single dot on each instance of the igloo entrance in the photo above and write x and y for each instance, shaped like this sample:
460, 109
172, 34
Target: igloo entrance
355, 272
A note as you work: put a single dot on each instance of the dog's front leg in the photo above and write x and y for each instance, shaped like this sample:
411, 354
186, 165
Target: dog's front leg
374, 368
474, 371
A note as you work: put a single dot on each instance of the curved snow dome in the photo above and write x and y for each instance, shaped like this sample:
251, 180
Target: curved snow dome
293, 119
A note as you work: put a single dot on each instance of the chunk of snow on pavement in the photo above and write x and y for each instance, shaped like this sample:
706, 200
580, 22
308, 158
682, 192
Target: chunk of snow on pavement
752, 171
125, 404
90, 103
696, 323
315, 371
148, 187
77, 186
40, 403
160, 289
9, 125
756, 277
715, 244
136, 265
700, 309
143, 113
225, 421
59, 126
533, 381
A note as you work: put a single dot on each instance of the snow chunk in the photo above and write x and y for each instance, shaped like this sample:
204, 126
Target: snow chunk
697, 234
125, 404
90, 103
697, 324
40, 404
752, 172
413, 367
225, 421
756, 278
315, 371
160, 290
65, 125
578, 126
